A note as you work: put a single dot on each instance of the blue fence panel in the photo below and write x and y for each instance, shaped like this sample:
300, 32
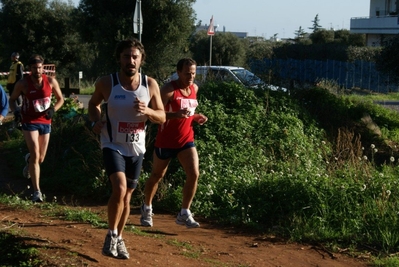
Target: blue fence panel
360, 74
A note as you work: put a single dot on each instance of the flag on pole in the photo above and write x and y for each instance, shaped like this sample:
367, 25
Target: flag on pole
211, 30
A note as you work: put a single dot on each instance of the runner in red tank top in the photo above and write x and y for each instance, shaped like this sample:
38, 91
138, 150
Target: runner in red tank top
175, 138
168, 136
36, 112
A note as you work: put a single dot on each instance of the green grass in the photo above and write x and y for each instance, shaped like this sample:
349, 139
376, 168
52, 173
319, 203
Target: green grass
87, 90
14, 252
17, 202
391, 261
379, 97
79, 215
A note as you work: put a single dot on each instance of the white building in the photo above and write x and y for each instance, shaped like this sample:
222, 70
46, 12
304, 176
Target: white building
382, 22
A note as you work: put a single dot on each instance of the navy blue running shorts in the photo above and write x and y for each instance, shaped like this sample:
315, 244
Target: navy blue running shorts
42, 128
166, 153
114, 161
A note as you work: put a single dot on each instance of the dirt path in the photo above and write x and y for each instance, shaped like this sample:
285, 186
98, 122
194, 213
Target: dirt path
64, 243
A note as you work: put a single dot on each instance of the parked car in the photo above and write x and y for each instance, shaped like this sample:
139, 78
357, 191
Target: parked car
227, 74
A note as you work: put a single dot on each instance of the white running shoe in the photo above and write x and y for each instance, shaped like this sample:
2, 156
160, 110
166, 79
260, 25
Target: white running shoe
187, 220
109, 248
37, 197
146, 217
121, 249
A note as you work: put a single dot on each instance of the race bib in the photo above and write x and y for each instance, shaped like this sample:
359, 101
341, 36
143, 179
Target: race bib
42, 104
130, 132
189, 104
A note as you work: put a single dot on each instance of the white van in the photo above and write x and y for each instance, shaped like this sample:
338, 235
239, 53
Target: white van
227, 74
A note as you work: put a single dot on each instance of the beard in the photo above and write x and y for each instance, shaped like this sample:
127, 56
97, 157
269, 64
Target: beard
130, 71
37, 75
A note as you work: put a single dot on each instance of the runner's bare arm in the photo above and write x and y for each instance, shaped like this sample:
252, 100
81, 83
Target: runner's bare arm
167, 93
101, 93
57, 93
156, 113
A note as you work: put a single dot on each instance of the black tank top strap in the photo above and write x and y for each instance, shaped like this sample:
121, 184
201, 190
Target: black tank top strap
143, 80
115, 80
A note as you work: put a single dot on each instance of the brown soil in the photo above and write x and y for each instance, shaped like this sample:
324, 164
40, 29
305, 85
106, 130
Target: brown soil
65, 243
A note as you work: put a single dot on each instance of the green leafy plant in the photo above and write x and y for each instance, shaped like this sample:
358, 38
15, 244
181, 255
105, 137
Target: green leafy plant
13, 251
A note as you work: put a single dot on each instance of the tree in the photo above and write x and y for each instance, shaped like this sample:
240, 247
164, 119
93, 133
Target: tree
22, 27
45, 28
227, 49
322, 36
342, 36
199, 47
167, 25
357, 39
261, 50
102, 24
387, 61
365, 53
316, 24
300, 33
66, 48
346, 38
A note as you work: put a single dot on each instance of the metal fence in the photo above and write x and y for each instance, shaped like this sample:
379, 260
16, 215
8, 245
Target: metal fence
358, 74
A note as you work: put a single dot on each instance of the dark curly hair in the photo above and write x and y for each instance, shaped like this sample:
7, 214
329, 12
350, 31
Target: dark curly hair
35, 59
128, 43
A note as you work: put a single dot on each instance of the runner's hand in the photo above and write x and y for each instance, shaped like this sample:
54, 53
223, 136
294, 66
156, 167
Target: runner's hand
50, 113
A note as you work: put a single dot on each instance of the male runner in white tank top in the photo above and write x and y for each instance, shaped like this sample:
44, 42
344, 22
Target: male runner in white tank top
130, 98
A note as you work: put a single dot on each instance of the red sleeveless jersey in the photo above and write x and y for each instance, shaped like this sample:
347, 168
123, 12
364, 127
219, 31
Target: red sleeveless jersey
175, 133
36, 102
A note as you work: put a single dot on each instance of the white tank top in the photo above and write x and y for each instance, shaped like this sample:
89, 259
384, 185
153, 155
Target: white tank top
125, 128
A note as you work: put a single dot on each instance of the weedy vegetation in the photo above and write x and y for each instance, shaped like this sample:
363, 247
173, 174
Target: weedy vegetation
315, 165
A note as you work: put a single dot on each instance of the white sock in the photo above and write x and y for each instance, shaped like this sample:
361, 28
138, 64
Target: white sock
119, 238
147, 207
113, 232
185, 211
